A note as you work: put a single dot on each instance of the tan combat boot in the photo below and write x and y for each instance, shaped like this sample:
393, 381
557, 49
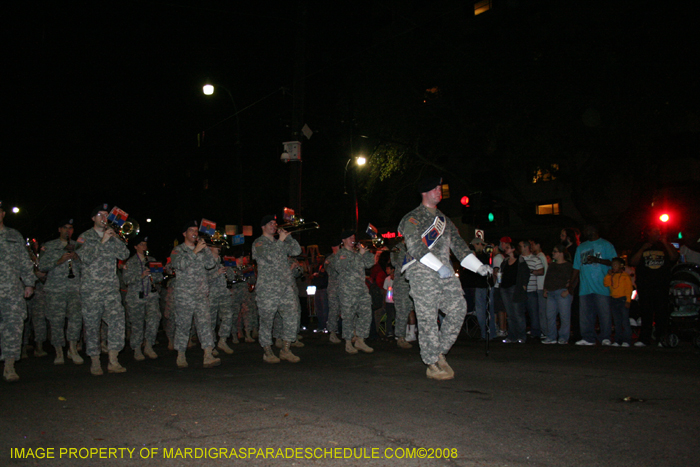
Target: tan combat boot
39, 350
278, 343
360, 345
138, 354
297, 344
333, 338
349, 348
269, 356
73, 353
435, 372
210, 361
148, 351
234, 338
286, 354
444, 366
248, 337
113, 366
223, 346
401, 342
59, 356
9, 373
96, 366
181, 360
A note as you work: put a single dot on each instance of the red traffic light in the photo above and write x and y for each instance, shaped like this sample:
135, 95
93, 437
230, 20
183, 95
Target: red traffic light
664, 217
465, 200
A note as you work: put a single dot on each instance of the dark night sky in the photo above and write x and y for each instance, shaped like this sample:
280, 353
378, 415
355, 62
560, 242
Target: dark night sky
103, 102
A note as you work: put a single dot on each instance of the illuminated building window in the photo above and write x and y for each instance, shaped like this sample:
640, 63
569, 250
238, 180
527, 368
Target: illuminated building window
482, 7
546, 175
547, 209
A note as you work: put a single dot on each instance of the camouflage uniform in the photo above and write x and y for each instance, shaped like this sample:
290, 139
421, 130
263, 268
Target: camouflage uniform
99, 290
275, 287
421, 228
402, 298
144, 305
332, 290
353, 295
16, 273
62, 293
220, 301
36, 315
191, 294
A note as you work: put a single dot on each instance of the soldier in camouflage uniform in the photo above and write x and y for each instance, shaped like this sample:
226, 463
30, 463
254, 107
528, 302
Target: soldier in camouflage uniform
333, 302
220, 301
100, 248
143, 299
275, 288
16, 283
355, 301
402, 298
430, 235
63, 267
191, 261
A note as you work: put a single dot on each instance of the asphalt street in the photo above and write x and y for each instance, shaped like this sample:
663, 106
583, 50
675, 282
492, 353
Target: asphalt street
522, 405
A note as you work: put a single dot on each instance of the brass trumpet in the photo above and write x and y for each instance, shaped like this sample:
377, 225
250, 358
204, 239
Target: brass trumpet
124, 232
298, 225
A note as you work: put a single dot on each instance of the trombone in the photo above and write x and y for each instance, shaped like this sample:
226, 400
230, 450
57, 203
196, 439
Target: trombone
297, 224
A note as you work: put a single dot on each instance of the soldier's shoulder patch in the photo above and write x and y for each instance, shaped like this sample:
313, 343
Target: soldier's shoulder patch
342, 257
259, 243
413, 220
80, 240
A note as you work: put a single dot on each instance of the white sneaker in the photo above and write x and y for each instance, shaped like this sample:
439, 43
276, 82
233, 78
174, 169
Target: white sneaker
606, 342
625, 344
563, 342
615, 344
639, 344
585, 342
549, 341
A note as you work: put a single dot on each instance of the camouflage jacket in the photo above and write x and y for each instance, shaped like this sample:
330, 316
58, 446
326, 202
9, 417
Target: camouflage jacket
16, 269
100, 261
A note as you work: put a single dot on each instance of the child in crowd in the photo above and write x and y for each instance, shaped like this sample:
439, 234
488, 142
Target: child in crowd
620, 285
389, 300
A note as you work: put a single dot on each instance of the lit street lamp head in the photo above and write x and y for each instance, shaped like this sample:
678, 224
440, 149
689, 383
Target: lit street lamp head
208, 89
361, 160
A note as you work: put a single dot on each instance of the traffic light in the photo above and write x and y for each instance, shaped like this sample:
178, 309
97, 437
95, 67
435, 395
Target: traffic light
491, 217
664, 217
465, 201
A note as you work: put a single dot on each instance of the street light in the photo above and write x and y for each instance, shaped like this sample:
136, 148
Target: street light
360, 161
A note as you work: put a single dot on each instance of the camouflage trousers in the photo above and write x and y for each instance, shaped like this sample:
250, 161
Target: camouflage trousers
333, 310
221, 309
102, 306
285, 301
430, 294
188, 307
13, 311
36, 317
62, 305
278, 325
356, 311
144, 315
403, 305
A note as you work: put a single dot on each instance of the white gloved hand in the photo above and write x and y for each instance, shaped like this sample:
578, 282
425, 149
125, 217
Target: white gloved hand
444, 272
484, 270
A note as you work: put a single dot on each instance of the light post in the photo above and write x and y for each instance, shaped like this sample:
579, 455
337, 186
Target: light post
208, 89
359, 161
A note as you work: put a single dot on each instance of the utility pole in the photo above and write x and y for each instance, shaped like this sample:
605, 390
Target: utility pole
298, 106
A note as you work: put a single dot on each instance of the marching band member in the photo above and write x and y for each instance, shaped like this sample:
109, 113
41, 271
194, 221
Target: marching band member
430, 235
63, 267
191, 260
275, 288
333, 302
16, 283
220, 300
402, 298
355, 301
143, 299
99, 289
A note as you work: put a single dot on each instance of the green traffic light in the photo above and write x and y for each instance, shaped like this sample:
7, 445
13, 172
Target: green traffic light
491, 217
680, 235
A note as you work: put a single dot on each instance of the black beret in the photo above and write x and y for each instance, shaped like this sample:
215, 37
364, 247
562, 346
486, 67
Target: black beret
188, 225
138, 239
65, 221
266, 219
101, 207
428, 184
346, 234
